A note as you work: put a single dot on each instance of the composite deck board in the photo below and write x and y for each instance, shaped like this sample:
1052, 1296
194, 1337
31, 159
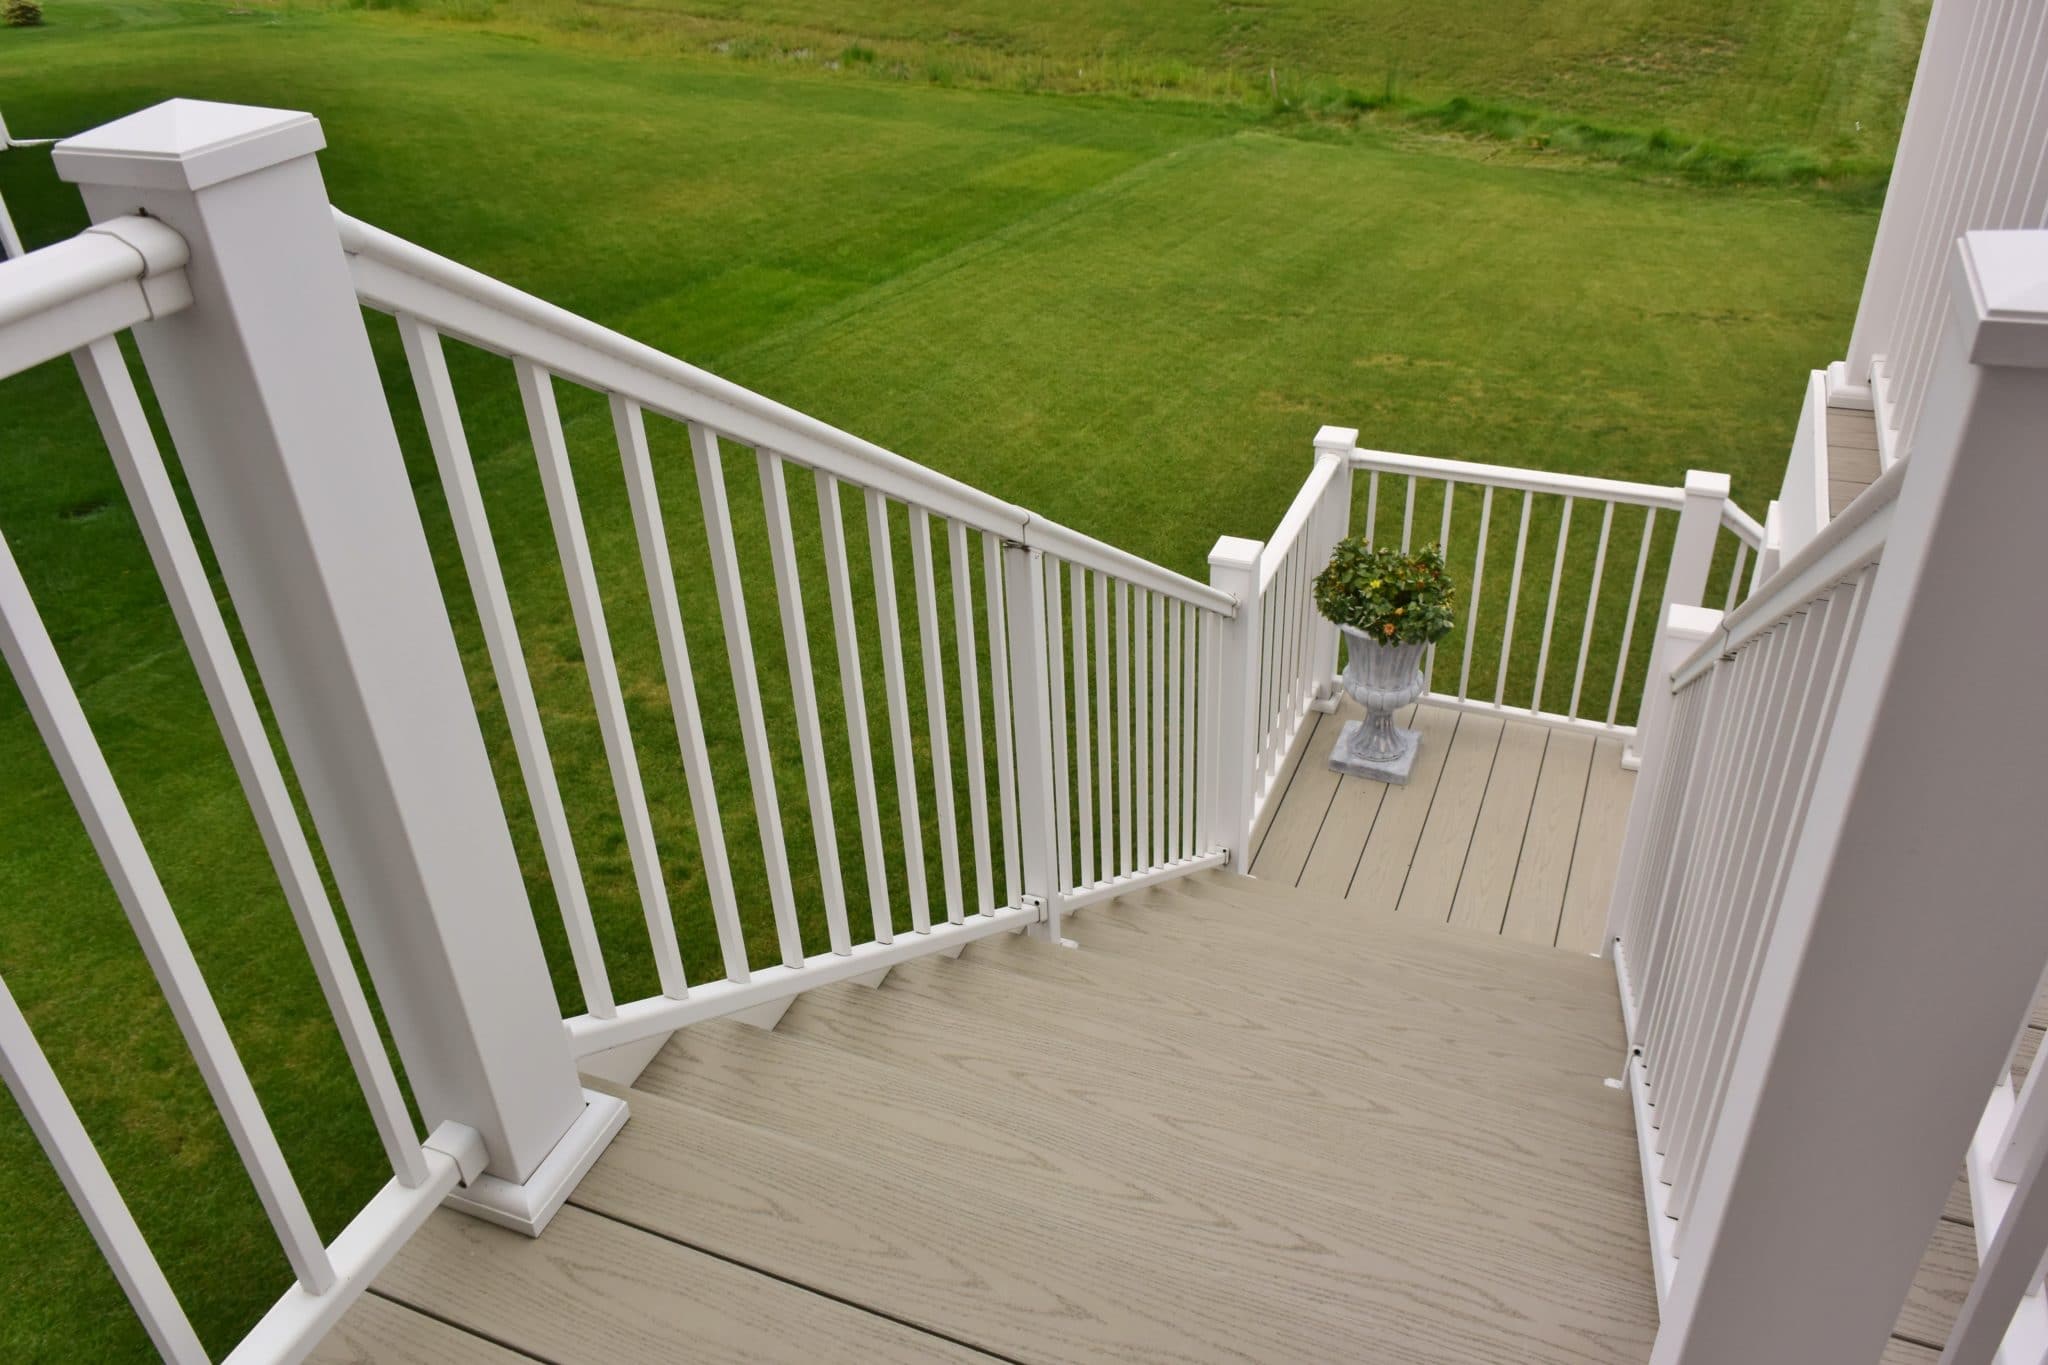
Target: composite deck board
1508, 826
1354, 811
1898, 1352
1602, 822
1505, 813
1535, 902
1852, 455
377, 1331
1287, 843
601, 1290
1453, 814
1940, 1286
1236, 1123
1381, 867
1151, 1177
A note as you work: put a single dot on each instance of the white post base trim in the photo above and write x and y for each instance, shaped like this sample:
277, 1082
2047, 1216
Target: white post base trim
623, 1064
874, 979
1844, 392
951, 953
530, 1207
766, 1015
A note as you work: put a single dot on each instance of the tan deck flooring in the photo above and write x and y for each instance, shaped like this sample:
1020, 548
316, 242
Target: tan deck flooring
1505, 827
1852, 455
1237, 1123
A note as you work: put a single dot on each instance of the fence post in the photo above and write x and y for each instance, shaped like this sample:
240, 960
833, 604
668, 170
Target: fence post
1234, 569
1681, 632
273, 401
1692, 557
1333, 523
1030, 705
1910, 939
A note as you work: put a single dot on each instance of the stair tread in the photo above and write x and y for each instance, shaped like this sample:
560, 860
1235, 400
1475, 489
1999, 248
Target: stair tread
1310, 907
1128, 1270
1274, 1053
1378, 1007
1066, 1121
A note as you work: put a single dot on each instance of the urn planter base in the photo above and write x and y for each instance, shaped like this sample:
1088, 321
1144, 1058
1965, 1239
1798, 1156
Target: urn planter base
1394, 771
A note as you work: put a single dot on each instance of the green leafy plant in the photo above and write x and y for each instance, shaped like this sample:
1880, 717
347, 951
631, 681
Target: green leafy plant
21, 13
1395, 598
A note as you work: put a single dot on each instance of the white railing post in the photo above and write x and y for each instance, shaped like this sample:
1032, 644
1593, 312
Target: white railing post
1234, 568
1334, 445
1683, 630
272, 397
1692, 557
1909, 940
1031, 714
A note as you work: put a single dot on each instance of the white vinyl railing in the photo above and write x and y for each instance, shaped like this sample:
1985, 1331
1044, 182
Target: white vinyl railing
1708, 844
1825, 922
1970, 157
1081, 680
1056, 614
75, 297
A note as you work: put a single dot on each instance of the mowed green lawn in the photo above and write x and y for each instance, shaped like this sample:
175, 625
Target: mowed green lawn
1129, 314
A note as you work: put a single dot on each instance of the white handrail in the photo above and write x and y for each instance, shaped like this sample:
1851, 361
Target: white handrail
73, 292
1846, 543
1525, 480
396, 276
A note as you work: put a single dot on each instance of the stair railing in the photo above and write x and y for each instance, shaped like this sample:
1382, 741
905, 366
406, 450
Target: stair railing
1975, 132
1513, 633
1086, 678
1826, 922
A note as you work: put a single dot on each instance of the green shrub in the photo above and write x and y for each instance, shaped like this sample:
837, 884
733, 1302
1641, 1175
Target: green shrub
21, 13
1396, 598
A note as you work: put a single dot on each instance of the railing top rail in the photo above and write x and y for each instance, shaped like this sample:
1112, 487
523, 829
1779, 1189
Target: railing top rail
1844, 544
1745, 526
1529, 480
69, 293
396, 276
1295, 520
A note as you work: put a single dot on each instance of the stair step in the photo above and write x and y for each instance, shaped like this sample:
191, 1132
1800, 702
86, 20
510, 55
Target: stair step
1379, 1007
1323, 1135
1280, 1054
909, 1081
1347, 973
1308, 907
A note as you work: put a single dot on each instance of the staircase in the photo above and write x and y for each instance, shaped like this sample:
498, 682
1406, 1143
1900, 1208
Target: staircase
1233, 1122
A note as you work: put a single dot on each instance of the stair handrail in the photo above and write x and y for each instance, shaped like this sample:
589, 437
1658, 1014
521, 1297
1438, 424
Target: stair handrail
399, 276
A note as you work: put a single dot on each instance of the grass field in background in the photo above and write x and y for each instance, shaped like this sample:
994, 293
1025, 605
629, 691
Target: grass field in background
1128, 304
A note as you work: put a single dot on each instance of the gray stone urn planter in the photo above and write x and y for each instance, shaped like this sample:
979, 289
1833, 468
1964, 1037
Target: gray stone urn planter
1382, 679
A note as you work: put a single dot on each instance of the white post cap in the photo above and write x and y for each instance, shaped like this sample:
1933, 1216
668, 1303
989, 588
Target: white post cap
1706, 483
1235, 552
2001, 297
1342, 440
186, 145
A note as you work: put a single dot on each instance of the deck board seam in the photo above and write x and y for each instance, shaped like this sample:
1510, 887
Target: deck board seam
433, 1315
1578, 832
1408, 869
906, 1323
1471, 835
1321, 824
1521, 847
1292, 762
1363, 844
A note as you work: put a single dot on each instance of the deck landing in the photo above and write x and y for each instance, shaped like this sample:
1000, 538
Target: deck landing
1507, 827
